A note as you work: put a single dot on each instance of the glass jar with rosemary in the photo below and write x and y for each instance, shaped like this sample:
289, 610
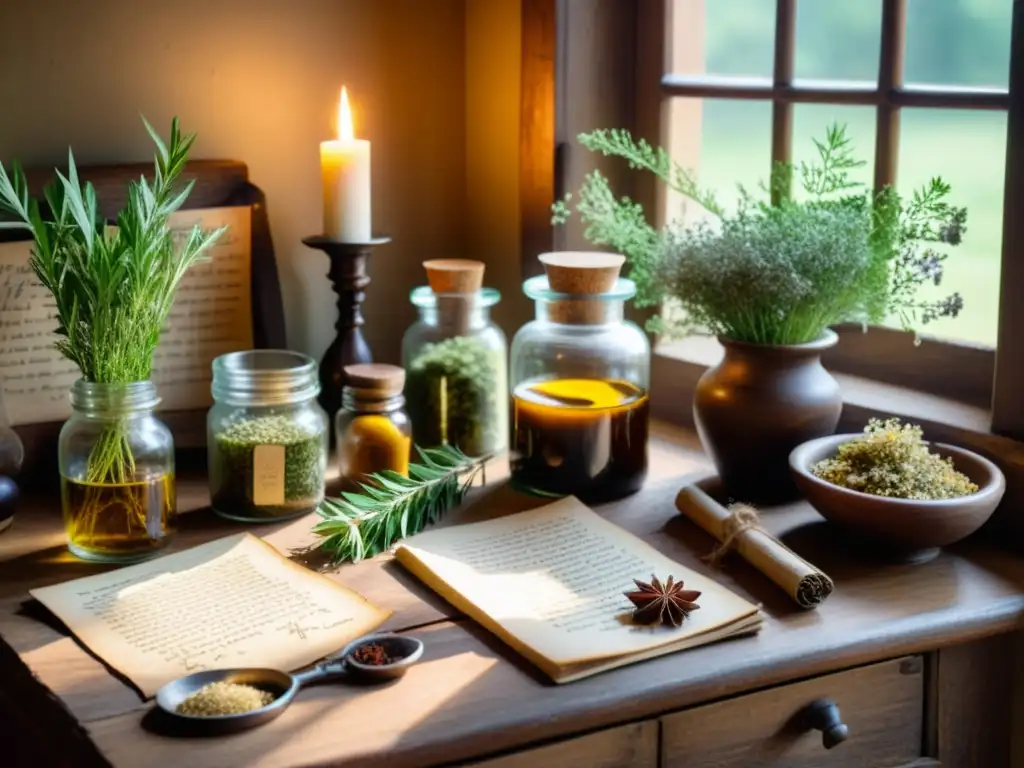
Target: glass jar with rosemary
115, 512
112, 288
266, 436
456, 386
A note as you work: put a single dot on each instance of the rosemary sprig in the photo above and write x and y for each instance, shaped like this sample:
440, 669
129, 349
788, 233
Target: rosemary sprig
112, 287
391, 506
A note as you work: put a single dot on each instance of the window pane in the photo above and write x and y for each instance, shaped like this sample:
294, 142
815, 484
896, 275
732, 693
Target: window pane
810, 121
968, 149
958, 42
838, 40
734, 148
722, 37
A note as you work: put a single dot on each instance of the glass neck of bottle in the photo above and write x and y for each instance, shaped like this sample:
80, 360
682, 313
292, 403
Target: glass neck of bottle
456, 312
94, 399
264, 377
358, 403
579, 311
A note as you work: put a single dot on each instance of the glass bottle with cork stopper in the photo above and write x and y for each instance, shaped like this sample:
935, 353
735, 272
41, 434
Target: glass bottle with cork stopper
455, 361
373, 430
579, 374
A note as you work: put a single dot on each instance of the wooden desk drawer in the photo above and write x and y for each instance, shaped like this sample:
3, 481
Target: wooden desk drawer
882, 705
628, 746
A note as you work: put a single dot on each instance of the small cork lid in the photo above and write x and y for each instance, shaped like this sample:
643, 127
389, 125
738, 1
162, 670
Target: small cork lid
375, 379
454, 275
582, 272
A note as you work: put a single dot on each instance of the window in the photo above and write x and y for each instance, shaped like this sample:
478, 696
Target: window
925, 86
922, 81
826, 58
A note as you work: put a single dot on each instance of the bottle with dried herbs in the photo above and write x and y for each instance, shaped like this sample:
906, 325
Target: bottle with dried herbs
266, 436
373, 430
455, 361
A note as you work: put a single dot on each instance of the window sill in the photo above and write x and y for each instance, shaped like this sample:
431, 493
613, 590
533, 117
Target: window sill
677, 366
686, 360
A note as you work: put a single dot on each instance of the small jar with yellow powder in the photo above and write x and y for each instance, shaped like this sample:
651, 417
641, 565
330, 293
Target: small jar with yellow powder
373, 429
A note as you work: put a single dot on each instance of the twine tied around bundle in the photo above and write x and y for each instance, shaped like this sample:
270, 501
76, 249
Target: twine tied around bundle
743, 518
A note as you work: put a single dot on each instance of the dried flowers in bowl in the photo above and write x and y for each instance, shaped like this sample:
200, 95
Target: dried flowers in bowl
889, 487
892, 459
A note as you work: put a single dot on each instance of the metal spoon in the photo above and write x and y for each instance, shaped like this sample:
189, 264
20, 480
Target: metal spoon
406, 650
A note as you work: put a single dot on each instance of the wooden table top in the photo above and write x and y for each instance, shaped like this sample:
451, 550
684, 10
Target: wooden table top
472, 696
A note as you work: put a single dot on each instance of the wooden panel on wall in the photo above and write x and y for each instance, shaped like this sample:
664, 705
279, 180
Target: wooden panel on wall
537, 129
629, 746
882, 704
600, 39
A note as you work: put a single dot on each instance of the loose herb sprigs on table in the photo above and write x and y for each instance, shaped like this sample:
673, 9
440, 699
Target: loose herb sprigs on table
391, 507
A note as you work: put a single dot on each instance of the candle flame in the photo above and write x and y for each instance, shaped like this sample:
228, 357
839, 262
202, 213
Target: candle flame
345, 130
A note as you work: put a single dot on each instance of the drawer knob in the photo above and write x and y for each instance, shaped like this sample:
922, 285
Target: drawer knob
823, 715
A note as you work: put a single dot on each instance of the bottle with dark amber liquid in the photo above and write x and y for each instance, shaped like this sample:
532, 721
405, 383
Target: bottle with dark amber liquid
579, 378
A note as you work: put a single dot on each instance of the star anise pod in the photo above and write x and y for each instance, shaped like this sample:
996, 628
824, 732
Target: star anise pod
668, 603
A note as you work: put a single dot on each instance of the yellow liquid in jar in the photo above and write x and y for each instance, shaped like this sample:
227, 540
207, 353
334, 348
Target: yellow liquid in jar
118, 522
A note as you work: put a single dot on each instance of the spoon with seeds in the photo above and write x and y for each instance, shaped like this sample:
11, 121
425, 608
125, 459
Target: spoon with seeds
219, 701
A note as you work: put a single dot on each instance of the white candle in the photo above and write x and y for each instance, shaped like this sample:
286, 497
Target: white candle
345, 170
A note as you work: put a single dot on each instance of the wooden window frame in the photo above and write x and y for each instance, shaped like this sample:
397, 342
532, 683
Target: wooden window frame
990, 381
881, 353
968, 373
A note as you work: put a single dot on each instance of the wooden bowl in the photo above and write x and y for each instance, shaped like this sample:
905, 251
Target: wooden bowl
903, 529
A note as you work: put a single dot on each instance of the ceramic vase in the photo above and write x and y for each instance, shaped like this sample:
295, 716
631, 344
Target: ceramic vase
757, 405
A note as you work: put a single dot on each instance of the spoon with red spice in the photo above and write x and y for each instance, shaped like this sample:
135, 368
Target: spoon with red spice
370, 659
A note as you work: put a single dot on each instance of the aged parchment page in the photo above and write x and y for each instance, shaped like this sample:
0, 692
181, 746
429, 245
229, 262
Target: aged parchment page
550, 582
212, 314
234, 602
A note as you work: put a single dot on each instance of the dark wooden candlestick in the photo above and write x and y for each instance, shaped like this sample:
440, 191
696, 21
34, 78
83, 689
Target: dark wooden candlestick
349, 279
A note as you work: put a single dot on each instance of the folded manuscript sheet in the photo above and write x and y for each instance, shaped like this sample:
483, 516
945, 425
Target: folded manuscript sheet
234, 602
550, 583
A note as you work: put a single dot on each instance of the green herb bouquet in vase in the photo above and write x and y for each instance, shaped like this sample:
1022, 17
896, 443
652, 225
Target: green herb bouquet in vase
113, 287
769, 279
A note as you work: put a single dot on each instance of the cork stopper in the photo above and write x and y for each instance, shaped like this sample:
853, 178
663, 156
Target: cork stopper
375, 379
454, 275
584, 275
582, 272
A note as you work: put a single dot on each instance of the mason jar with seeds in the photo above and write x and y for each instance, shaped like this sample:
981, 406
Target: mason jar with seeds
267, 436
